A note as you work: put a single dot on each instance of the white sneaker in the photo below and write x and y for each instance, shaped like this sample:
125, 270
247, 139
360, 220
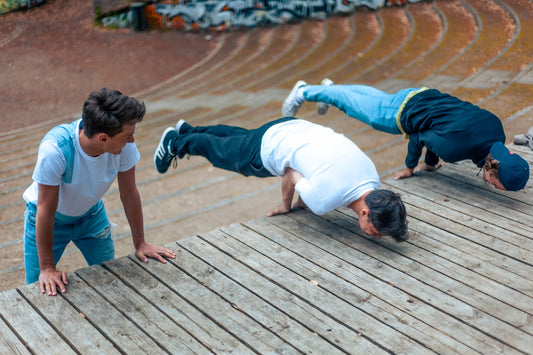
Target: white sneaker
179, 124
322, 107
292, 103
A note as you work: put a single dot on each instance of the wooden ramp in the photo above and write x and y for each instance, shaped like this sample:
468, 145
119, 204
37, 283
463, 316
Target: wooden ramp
301, 283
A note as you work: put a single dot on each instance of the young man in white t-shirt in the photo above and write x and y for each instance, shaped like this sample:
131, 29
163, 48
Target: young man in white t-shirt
76, 165
326, 169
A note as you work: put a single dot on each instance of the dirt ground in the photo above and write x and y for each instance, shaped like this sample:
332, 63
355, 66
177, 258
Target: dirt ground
53, 56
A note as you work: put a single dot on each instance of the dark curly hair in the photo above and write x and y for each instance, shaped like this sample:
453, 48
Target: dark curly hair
108, 110
387, 214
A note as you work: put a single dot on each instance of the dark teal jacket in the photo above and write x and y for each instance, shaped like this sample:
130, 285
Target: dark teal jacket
449, 128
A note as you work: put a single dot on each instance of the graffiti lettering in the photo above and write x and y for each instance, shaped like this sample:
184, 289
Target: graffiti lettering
213, 14
12, 5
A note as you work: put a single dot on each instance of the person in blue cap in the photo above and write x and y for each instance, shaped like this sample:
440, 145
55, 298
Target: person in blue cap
451, 129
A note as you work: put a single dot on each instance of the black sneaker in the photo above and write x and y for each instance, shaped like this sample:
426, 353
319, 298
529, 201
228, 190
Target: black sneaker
164, 156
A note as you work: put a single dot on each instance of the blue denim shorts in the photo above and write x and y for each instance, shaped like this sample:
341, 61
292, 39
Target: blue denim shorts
91, 233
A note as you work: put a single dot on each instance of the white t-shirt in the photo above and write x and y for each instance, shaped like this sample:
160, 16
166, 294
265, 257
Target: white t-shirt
336, 172
91, 176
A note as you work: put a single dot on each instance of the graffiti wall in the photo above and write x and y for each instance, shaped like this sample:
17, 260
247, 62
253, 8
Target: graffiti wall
219, 14
14, 5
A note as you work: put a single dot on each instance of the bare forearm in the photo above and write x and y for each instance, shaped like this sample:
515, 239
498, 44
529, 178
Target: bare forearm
49, 278
287, 191
288, 184
44, 237
129, 195
131, 200
44, 225
133, 210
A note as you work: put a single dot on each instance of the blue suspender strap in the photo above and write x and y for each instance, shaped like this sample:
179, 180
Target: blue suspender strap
63, 135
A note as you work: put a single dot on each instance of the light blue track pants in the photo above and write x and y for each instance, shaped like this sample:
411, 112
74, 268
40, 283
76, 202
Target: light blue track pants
364, 103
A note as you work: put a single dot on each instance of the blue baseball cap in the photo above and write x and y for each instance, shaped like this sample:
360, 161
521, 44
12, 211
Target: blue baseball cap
513, 170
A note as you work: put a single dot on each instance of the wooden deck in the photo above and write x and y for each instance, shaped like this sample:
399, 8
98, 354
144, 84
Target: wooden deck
301, 283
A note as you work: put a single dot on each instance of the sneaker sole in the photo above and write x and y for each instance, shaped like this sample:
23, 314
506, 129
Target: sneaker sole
160, 144
179, 124
284, 111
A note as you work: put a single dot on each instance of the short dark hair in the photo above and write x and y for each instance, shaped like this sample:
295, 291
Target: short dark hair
387, 214
108, 110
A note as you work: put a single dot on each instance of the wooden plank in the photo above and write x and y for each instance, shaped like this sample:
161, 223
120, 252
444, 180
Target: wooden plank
237, 310
115, 326
426, 256
153, 287
292, 319
475, 229
305, 291
467, 173
488, 312
9, 343
475, 254
70, 323
459, 289
338, 277
461, 197
146, 316
40, 337
466, 267
393, 268
520, 235
361, 274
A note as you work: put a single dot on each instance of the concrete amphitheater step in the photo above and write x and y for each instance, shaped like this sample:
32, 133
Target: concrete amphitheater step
459, 31
228, 47
336, 32
505, 85
366, 31
281, 41
261, 43
395, 29
280, 50
497, 33
312, 33
15, 143
275, 44
401, 23
425, 32
339, 45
